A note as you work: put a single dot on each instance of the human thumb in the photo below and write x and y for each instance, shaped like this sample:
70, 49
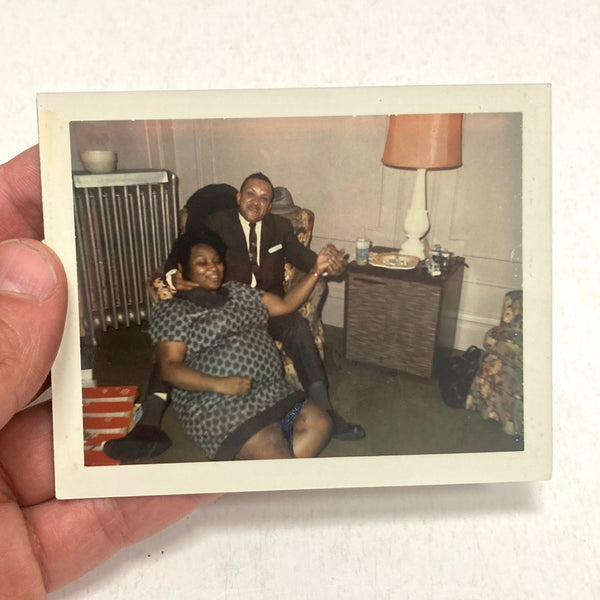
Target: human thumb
33, 303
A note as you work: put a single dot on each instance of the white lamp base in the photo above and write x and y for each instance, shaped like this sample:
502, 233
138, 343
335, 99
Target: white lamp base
413, 247
416, 223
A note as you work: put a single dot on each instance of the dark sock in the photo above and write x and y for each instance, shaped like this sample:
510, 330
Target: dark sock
319, 395
338, 421
153, 409
341, 428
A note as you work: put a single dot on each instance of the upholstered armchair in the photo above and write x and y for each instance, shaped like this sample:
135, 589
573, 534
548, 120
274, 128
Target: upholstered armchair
302, 221
497, 389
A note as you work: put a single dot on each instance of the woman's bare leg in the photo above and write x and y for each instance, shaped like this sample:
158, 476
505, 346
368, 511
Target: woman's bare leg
312, 431
265, 444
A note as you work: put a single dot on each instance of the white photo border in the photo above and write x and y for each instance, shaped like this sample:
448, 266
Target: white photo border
534, 462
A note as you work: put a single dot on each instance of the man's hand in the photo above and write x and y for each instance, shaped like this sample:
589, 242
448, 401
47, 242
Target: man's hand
181, 284
45, 543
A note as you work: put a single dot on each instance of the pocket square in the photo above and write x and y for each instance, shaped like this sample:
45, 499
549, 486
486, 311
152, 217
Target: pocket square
273, 249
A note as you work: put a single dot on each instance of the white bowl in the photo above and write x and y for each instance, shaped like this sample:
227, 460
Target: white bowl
99, 161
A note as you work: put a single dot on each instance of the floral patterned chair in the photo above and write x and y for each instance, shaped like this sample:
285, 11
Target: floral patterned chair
497, 389
302, 221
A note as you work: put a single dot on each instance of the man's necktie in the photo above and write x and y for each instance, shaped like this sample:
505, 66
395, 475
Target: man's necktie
252, 252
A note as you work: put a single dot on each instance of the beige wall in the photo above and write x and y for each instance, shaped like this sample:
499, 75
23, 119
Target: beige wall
332, 165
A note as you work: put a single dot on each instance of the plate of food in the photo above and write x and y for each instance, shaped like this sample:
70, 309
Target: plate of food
393, 260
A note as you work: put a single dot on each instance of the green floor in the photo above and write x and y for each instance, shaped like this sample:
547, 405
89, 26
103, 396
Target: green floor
400, 415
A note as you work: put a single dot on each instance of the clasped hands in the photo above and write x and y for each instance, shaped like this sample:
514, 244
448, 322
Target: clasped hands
336, 260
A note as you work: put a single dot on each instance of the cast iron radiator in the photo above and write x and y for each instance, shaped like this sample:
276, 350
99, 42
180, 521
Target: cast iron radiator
125, 224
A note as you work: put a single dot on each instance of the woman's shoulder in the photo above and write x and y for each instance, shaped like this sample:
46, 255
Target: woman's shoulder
169, 320
242, 293
171, 306
236, 289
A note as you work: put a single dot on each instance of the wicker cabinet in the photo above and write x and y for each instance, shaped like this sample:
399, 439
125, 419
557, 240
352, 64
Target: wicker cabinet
400, 319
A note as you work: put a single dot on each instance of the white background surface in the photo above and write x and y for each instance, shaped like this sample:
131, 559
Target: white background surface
531, 541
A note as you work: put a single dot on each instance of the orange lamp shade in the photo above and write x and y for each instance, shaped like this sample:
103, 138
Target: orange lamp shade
424, 141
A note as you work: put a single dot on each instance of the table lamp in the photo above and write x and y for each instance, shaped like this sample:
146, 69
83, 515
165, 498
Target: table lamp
422, 142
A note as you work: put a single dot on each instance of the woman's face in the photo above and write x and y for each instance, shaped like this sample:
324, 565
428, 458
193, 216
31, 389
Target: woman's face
205, 267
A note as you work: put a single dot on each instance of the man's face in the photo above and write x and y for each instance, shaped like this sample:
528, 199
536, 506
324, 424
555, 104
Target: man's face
255, 200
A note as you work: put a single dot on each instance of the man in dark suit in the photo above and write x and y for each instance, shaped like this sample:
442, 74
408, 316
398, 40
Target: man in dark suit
250, 225
258, 245
276, 240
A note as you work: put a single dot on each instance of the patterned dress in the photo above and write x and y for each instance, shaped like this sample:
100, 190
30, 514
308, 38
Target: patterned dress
230, 339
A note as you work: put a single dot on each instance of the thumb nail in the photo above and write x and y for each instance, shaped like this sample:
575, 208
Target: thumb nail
25, 270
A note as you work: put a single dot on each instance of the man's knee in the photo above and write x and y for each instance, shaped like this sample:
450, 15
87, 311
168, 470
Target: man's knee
298, 332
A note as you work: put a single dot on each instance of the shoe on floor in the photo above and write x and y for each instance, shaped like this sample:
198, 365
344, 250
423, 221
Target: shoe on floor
143, 441
342, 430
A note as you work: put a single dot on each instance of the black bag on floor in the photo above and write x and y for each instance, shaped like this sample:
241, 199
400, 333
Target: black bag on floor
455, 375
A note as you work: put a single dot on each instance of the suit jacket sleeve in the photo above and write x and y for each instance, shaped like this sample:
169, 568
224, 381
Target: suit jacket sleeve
295, 252
278, 244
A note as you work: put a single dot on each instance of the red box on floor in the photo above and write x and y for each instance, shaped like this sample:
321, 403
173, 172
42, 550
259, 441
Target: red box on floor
109, 399
107, 415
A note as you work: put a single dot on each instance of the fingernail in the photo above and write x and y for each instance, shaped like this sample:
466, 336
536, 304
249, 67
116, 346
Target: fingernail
25, 270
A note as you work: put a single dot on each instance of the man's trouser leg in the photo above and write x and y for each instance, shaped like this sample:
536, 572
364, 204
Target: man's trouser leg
146, 439
298, 343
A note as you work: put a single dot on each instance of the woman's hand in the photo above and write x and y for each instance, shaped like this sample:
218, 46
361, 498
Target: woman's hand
45, 542
233, 385
171, 359
323, 262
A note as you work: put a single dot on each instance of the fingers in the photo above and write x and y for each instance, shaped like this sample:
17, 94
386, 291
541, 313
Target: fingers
68, 538
337, 262
21, 197
33, 302
71, 537
244, 385
179, 283
236, 385
323, 262
27, 457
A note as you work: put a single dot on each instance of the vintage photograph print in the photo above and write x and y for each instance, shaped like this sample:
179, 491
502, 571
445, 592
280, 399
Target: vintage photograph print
300, 288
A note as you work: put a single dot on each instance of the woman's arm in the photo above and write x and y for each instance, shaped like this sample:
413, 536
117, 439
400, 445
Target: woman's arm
170, 356
276, 305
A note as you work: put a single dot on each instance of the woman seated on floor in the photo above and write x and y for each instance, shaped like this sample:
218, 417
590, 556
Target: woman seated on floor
212, 346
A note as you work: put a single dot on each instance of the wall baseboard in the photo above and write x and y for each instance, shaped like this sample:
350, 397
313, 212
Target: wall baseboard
471, 330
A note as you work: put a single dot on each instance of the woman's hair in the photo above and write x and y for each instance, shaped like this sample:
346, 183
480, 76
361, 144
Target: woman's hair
182, 246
